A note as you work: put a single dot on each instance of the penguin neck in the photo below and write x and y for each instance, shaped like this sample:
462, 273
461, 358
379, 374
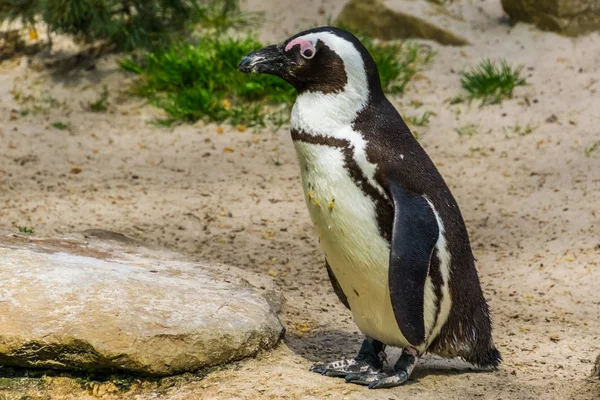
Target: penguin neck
328, 120
323, 114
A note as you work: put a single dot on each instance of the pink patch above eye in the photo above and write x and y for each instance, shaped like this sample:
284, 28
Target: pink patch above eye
304, 46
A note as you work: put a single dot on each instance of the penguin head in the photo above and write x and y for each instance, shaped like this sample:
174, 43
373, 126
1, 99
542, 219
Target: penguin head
326, 60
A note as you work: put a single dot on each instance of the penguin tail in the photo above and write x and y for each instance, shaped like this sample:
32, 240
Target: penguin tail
487, 359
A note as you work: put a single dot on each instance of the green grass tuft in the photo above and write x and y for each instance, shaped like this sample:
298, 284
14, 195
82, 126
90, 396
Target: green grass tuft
591, 149
397, 62
59, 125
523, 130
467, 130
420, 120
24, 229
100, 105
201, 82
492, 82
192, 82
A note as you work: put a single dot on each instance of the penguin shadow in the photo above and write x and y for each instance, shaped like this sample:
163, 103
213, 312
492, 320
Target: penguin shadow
325, 345
433, 365
329, 345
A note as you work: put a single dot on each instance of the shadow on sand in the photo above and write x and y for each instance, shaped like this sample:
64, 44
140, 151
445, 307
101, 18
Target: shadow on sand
328, 345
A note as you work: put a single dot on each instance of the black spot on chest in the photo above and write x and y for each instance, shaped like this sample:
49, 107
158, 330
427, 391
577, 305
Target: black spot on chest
383, 208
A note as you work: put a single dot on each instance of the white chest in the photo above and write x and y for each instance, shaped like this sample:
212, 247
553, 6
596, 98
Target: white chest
345, 220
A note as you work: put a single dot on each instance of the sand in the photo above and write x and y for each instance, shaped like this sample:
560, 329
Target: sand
531, 203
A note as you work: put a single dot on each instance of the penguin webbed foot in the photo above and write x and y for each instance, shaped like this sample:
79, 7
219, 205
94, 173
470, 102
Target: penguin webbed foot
402, 371
369, 361
344, 367
378, 381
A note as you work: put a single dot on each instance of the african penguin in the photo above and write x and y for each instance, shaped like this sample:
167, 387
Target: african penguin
396, 246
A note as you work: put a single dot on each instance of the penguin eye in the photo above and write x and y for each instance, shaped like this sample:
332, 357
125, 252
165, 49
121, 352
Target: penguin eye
307, 48
307, 53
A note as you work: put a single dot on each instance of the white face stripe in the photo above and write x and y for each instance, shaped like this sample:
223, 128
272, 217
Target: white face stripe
357, 87
332, 114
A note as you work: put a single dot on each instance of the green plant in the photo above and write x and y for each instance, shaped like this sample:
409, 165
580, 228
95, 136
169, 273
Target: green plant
397, 62
221, 15
101, 104
589, 150
467, 130
201, 81
523, 130
127, 23
277, 162
456, 100
24, 229
420, 120
492, 82
19, 10
59, 125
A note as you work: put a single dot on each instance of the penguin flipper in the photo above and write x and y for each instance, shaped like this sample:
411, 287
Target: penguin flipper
415, 233
336, 286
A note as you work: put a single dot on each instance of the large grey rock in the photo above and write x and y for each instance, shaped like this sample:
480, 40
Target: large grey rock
596, 370
101, 304
569, 17
402, 19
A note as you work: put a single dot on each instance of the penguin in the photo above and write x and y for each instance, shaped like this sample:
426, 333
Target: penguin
396, 247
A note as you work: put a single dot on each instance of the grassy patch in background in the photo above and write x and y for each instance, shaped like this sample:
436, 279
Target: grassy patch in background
128, 24
491, 81
397, 62
201, 82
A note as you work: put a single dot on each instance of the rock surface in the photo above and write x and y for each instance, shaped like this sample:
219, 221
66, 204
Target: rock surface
569, 17
596, 370
102, 302
401, 19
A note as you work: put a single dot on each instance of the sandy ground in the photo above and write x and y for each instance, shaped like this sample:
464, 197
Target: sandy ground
530, 202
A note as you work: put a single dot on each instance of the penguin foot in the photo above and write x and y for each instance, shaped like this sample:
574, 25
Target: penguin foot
402, 370
369, 361
344, 367
378, 381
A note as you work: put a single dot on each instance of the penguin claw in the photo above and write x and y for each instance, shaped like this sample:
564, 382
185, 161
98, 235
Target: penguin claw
391, 381
318, 368
379, 380
323, 370
365, 379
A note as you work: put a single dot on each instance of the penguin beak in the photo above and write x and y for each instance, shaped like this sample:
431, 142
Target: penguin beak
270, 60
